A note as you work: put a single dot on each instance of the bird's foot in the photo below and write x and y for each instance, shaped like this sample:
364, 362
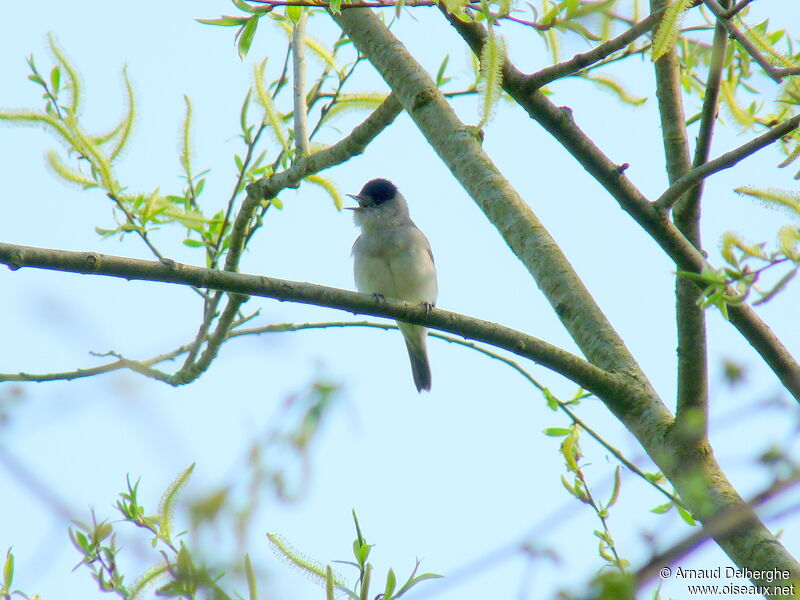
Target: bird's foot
379, 297
428, 306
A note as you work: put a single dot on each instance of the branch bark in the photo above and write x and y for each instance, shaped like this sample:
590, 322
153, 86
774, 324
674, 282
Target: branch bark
561, 125
692, 469
690, 318
573, 367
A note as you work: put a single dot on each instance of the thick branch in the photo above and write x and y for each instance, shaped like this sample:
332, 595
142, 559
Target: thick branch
560, 124
704, 486
552, 357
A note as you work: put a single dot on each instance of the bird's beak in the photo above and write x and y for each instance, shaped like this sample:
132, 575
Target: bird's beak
357, 199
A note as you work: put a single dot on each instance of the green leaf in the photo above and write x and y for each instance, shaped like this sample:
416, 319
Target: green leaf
55, 79
552, 401
246, 35
615, 491
245, 6
193, 243
391, 582
8, 570
556, 431
294, 13
335, 6
224, 21
662, 508
440, 78
686, 515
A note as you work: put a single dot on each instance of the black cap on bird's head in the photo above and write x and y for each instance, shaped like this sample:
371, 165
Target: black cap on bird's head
374, 193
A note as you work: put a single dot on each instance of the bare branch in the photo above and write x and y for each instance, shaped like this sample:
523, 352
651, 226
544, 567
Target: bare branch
575, 368
585, 59
726, 161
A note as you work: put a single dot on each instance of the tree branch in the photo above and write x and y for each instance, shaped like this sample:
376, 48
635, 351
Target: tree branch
726, 521
299, 88
580, 61
692, 375
673, 193
691, 414
573, 367
704, 487
775, 73
560, 124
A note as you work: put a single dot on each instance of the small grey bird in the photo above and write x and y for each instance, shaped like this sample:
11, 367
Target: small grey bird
393, 258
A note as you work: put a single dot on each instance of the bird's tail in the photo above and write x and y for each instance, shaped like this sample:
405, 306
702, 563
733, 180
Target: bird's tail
415, 337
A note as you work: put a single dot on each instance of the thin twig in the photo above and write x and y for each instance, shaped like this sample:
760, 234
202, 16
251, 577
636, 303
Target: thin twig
726, 161
775, 73
736, 8
585, 59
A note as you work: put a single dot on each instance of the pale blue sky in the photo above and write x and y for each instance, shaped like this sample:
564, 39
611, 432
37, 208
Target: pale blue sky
450, 476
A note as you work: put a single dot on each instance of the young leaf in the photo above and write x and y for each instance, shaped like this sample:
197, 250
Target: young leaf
224, 21
391, 582
252, 590
246, 35
556, 431
440, 78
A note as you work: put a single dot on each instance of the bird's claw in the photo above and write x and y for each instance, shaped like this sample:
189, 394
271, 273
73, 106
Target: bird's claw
428, 306
379, 297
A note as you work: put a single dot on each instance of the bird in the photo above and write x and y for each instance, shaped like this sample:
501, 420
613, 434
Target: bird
393, 258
